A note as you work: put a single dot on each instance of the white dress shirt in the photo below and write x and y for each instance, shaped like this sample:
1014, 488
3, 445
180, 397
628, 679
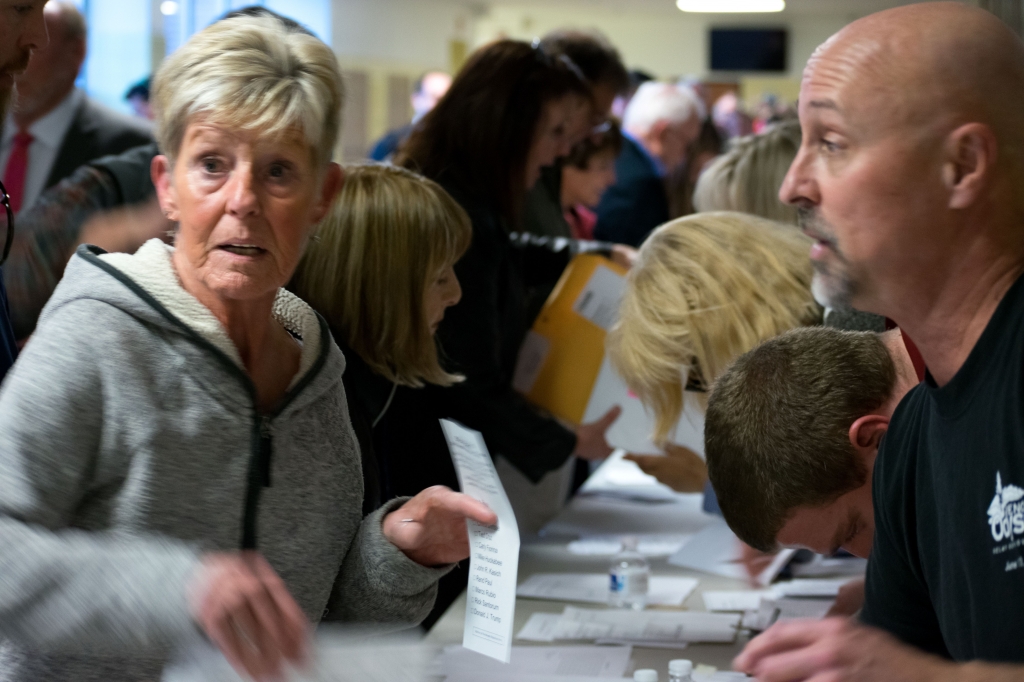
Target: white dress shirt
48, 135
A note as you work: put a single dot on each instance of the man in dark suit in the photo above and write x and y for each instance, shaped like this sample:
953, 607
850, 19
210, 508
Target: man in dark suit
427, 91
21, 33
54, 128
659, 124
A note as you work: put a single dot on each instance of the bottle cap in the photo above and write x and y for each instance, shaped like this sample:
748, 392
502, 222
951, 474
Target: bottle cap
645, 675
680, 667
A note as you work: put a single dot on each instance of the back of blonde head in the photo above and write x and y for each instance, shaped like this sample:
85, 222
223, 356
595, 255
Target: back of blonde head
389, 233
251, 73
747, 178
705, 289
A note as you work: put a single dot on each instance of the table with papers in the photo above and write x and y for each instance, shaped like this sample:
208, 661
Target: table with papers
571, 557
594, 515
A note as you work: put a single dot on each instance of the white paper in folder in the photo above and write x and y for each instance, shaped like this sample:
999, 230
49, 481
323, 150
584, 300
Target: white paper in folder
633, 429
494, 551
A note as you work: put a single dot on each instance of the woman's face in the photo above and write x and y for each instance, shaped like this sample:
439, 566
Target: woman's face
553, 135
443, 291
586, 185
245, 204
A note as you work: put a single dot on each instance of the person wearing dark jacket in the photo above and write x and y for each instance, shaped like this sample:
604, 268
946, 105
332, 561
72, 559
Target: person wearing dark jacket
659, 124
508, 113
380, 271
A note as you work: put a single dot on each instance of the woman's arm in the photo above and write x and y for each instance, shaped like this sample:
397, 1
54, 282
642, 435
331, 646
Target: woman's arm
60, 587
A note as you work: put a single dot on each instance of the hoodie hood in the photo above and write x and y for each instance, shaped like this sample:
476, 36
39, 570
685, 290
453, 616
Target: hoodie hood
146, 286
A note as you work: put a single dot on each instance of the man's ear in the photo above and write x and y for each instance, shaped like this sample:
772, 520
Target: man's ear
866, 434
334, 180
160, 170
656, 137
970, 160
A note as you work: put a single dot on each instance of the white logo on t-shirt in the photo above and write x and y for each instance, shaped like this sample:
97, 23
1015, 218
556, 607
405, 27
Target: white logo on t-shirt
1006, 513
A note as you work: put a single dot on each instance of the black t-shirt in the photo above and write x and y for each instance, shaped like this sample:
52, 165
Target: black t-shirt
947, 568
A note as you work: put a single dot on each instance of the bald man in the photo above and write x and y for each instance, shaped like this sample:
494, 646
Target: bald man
908, 179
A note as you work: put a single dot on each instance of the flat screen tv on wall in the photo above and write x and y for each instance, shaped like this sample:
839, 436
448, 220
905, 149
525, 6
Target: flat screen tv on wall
748, 49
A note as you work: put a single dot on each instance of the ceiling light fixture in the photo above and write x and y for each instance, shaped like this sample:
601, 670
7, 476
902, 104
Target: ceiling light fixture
168, 8
732, 6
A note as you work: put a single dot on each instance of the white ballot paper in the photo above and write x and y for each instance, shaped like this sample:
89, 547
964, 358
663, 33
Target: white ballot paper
493, 551
640, 628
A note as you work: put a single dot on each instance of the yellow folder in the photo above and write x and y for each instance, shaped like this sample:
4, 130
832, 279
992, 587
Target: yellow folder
561, 357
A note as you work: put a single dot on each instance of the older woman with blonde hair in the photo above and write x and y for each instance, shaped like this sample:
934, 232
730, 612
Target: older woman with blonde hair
747, 178
175, 447
705, 289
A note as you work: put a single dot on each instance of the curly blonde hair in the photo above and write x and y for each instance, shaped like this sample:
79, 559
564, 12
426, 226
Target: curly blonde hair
705, 289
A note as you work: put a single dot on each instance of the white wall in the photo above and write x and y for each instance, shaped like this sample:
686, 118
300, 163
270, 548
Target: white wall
666, 44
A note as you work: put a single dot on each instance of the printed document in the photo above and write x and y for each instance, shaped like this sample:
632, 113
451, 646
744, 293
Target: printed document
494, 551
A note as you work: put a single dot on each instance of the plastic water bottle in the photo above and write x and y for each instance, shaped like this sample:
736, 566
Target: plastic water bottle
629, 577
645, 675
680, 670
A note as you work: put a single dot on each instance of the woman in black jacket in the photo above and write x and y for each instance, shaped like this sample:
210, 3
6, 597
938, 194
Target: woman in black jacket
380, 271
511, 110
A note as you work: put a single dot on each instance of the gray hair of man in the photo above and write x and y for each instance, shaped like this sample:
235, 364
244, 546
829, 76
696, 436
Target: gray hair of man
655, 102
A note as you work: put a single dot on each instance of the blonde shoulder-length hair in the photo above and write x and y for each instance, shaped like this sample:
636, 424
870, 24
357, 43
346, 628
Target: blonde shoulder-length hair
705, 289
747, 178
389, 234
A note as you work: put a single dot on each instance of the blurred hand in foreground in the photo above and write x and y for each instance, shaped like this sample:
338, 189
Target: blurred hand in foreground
679, 468
838, 649
624, 255
591, 443
431, 527
245, 609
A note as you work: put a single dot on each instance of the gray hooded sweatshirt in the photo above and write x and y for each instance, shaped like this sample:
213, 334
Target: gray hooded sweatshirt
130, 444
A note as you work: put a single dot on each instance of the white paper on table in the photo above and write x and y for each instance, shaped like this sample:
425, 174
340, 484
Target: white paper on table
598, 302
593, 588
717, 550
646, 626
815, 587
469, 676
588, 660
494, 551
540, 627
785, 608
831, 566
623, 479
736, 600
650, 544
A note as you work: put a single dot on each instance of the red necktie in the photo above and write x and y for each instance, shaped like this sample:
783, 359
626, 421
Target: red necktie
17, 169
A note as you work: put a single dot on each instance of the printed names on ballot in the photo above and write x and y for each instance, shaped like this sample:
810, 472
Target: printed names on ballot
494, 550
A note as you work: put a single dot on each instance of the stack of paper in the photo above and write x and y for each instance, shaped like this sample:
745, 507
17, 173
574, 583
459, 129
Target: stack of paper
593, 588
587, 661
813, 588
780, 610
670, 629
716, 550
736, 600
648, 544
